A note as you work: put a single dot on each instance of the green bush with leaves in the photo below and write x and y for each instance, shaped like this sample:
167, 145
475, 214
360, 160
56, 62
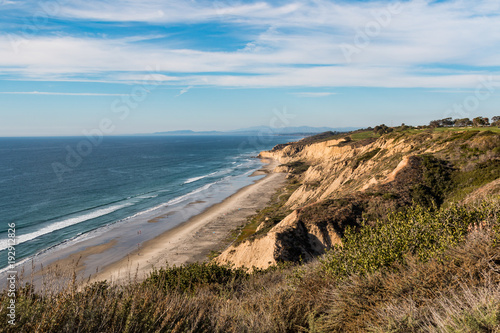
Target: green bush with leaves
436, 182
365, 157
206, 297
297, 167
420, 231
467, 181
187, 278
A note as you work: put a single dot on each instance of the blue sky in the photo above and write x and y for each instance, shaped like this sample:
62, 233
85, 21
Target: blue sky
156, 65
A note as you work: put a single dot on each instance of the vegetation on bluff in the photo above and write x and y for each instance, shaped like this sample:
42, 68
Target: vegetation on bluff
418, 231
415, 257
420, 271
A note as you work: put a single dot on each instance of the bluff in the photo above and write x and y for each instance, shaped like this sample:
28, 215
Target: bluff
339, 181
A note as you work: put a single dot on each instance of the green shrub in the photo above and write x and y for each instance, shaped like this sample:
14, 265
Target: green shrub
187, 278
436, 182
389, 196
297, 167
365, 157
418, 231
463, 136
458, 291
467, 181
206, 297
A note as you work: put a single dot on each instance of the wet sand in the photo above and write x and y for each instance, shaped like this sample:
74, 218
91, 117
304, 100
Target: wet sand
59, 274
194, 240
130, 250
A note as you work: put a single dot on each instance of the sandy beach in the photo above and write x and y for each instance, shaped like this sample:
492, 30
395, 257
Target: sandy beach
193, 240
190, 241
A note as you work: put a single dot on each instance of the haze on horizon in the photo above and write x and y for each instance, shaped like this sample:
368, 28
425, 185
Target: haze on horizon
155, 66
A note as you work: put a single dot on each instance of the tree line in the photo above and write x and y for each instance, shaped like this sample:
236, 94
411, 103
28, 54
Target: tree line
465, 122
446, 122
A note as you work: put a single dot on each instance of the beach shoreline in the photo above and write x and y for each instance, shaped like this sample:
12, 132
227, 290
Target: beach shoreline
193, 240
190, 241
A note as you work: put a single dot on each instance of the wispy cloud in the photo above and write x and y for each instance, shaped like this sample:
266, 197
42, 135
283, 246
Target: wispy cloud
174, 11
183, 91
288, 45
457, 91
55, 93
313, 94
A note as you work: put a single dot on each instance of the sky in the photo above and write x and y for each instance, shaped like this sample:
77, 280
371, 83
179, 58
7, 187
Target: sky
70, 67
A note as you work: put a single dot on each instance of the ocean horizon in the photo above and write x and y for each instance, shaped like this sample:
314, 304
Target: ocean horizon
59, 189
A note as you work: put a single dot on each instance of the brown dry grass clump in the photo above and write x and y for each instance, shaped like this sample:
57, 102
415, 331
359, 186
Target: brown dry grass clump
455, 290
262, 302
445, 294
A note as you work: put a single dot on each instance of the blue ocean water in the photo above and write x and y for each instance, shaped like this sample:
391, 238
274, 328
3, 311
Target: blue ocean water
55, 189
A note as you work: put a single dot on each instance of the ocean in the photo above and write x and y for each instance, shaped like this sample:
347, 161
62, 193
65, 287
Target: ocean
57, 190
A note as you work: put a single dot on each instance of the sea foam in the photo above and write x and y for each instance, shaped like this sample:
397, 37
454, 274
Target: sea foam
192, 180
63, 224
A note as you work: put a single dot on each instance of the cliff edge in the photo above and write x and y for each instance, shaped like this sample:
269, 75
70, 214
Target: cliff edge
342, 181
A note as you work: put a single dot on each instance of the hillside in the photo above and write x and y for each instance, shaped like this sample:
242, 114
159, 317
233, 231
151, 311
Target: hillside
395, 232
339, 181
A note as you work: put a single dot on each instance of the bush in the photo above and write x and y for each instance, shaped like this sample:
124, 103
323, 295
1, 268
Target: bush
436, 182
297, 167
454, 292
406, 296
467, 181
382, 129
187, 278
415, 231
365, 157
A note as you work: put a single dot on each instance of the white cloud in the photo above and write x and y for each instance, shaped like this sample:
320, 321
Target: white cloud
56, 93
156, 11
183, 91
425, 44
314, 94
457, 91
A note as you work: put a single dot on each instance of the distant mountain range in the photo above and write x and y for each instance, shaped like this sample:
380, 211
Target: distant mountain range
263, 130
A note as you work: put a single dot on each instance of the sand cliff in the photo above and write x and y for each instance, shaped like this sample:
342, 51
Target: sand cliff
341, 182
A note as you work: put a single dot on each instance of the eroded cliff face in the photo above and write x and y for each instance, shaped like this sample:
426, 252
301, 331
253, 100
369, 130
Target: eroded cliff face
262, 252
290, 240
341, 182
337, 169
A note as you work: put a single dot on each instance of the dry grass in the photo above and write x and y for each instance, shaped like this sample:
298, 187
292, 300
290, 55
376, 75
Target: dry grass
263, 302
445, 292
456, 291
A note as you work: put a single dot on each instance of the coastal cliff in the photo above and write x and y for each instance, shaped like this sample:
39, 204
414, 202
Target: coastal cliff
405, 227
345, 180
